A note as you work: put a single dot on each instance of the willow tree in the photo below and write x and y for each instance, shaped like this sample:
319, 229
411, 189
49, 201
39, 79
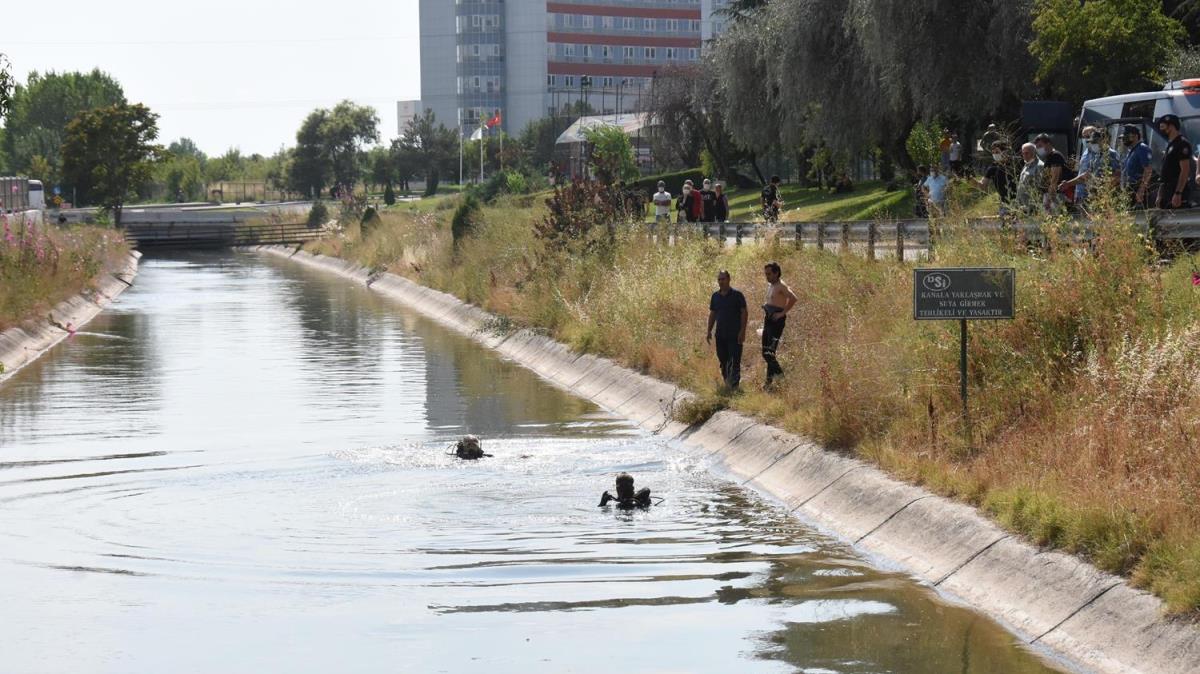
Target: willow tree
857, 74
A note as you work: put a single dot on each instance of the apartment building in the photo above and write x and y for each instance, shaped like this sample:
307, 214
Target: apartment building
528, 59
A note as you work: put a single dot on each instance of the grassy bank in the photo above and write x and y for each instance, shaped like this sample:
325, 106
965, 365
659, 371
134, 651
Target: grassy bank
1086, 407
42, 266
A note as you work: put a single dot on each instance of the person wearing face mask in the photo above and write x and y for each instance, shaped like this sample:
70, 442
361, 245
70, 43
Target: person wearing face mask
1054, 167
1096, 163
1029, 184
1135, 175
689, 203
1176, 172
1000, 176
935, 191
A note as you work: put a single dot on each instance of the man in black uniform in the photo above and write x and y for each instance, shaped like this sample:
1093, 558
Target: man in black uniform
727, 311
1177, 167
626, 497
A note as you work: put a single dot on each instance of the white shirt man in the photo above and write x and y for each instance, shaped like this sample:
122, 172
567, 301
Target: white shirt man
935, 190
662, 204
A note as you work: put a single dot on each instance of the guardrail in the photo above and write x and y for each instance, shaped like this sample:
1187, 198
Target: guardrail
1182, 226
216, 235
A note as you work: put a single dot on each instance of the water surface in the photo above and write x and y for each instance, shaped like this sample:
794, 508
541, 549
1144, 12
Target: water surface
241, 467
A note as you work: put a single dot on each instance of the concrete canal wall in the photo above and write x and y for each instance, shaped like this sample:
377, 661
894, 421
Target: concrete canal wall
22, 344
1093, 620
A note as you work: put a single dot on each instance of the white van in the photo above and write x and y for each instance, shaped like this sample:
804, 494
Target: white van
37, 195
1180, 98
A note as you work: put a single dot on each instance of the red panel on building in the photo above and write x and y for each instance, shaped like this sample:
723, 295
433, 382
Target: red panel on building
623, 40
602, 69
606, 10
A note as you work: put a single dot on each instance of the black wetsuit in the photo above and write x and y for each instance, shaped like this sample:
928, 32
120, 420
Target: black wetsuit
641, 499
771, 334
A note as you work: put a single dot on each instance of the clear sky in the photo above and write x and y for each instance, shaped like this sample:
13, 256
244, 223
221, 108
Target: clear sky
228, 73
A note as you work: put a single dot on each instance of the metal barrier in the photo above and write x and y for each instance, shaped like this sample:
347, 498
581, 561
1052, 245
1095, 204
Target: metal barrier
217, 235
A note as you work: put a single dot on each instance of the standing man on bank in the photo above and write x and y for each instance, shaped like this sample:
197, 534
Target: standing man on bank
727, 312
1176, 172
780, 300
1136, 173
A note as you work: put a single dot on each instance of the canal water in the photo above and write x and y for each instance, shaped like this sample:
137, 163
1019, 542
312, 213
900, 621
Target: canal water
241, 467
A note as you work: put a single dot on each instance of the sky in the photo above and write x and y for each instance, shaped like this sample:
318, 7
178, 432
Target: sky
228, 74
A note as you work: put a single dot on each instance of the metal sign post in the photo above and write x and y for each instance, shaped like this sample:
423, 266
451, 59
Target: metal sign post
964, 294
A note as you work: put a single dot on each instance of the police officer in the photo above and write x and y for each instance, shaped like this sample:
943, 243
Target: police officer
1176, 172
1136, 172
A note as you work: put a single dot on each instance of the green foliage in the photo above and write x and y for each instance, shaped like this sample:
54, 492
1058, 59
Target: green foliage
690, 127
537, 142
389, 195
922, 143
109, 153
1183, 64
329, 147
318, 215
183, 175
6, 88
611, 154
576, 215
463, 221
501, 183
427, 148
674, 181
41, 110
1091, 49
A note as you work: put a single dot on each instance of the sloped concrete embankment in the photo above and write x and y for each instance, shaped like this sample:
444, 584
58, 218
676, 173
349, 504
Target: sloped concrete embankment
22, 344
1053, 600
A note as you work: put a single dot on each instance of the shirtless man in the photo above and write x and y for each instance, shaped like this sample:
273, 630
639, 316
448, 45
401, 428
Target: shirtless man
780, 300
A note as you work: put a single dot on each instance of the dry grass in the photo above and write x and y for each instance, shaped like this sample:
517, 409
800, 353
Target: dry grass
42, 266
1085, 407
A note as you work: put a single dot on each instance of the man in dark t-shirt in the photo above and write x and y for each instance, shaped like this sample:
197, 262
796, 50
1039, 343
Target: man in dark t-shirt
727, 312
1055, 169
708, 199
1178, 167
1000, 175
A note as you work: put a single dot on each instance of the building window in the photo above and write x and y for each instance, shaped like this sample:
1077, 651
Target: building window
569, 50
606, 82
648, 25
673, 25
693, 53
587, 51
695, 26
627, 23
649, 53
628, 53
551, 80
587, 20
570, 80
568, 20
670, 53
607, 22
606, 52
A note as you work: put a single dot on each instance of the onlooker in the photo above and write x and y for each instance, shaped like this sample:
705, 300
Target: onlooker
780, 300
920, 205
1029, 184
662, 206
771, 200
935, 191
988, 141
1096, 164
1000, 175
1176, 171
687, 204
944, 148
955, 154
721, 208
708, 201
1135, 176
1054, 167
727, 312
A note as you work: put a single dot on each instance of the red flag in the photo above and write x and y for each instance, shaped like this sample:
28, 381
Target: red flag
495, 121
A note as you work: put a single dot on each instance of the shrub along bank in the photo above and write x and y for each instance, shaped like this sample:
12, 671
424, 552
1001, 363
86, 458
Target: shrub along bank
41, 266
1086, 406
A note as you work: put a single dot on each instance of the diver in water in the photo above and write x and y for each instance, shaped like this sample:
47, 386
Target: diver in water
469, 448
626, 497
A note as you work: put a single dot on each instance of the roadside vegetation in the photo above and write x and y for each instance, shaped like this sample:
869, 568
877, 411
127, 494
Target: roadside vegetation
1086, 407
42, 266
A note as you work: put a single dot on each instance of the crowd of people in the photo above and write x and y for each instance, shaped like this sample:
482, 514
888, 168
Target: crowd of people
1040, 179
709, 204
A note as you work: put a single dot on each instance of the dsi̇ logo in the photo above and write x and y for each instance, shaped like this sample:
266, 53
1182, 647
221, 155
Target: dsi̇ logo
936, 282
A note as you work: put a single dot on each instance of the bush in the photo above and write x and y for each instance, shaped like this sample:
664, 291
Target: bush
696, 411
370, 220
464, 218
389, 195
501, 183
318, 215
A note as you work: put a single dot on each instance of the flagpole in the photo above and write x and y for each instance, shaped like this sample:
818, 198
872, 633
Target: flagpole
460, 149
482, 145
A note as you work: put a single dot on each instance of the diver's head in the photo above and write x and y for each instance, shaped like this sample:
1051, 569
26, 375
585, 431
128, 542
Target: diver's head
624, 486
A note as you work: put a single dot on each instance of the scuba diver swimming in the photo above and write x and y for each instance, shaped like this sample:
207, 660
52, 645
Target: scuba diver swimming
626, 497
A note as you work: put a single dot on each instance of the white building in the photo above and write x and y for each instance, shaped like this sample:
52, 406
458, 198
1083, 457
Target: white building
406, 111
528, 59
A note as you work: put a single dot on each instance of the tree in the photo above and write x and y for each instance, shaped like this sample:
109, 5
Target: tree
6, 86
186, 147
42, 108
329, 147
855, 74
611, 154
109, 152
431, 147
537, 141
381, 168
689, 115
1092, 49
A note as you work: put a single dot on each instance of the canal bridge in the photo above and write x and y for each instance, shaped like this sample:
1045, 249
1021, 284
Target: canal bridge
198, 226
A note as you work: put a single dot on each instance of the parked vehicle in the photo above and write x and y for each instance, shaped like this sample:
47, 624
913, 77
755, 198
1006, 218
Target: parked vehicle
37, 195
14, 194
1180, 98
